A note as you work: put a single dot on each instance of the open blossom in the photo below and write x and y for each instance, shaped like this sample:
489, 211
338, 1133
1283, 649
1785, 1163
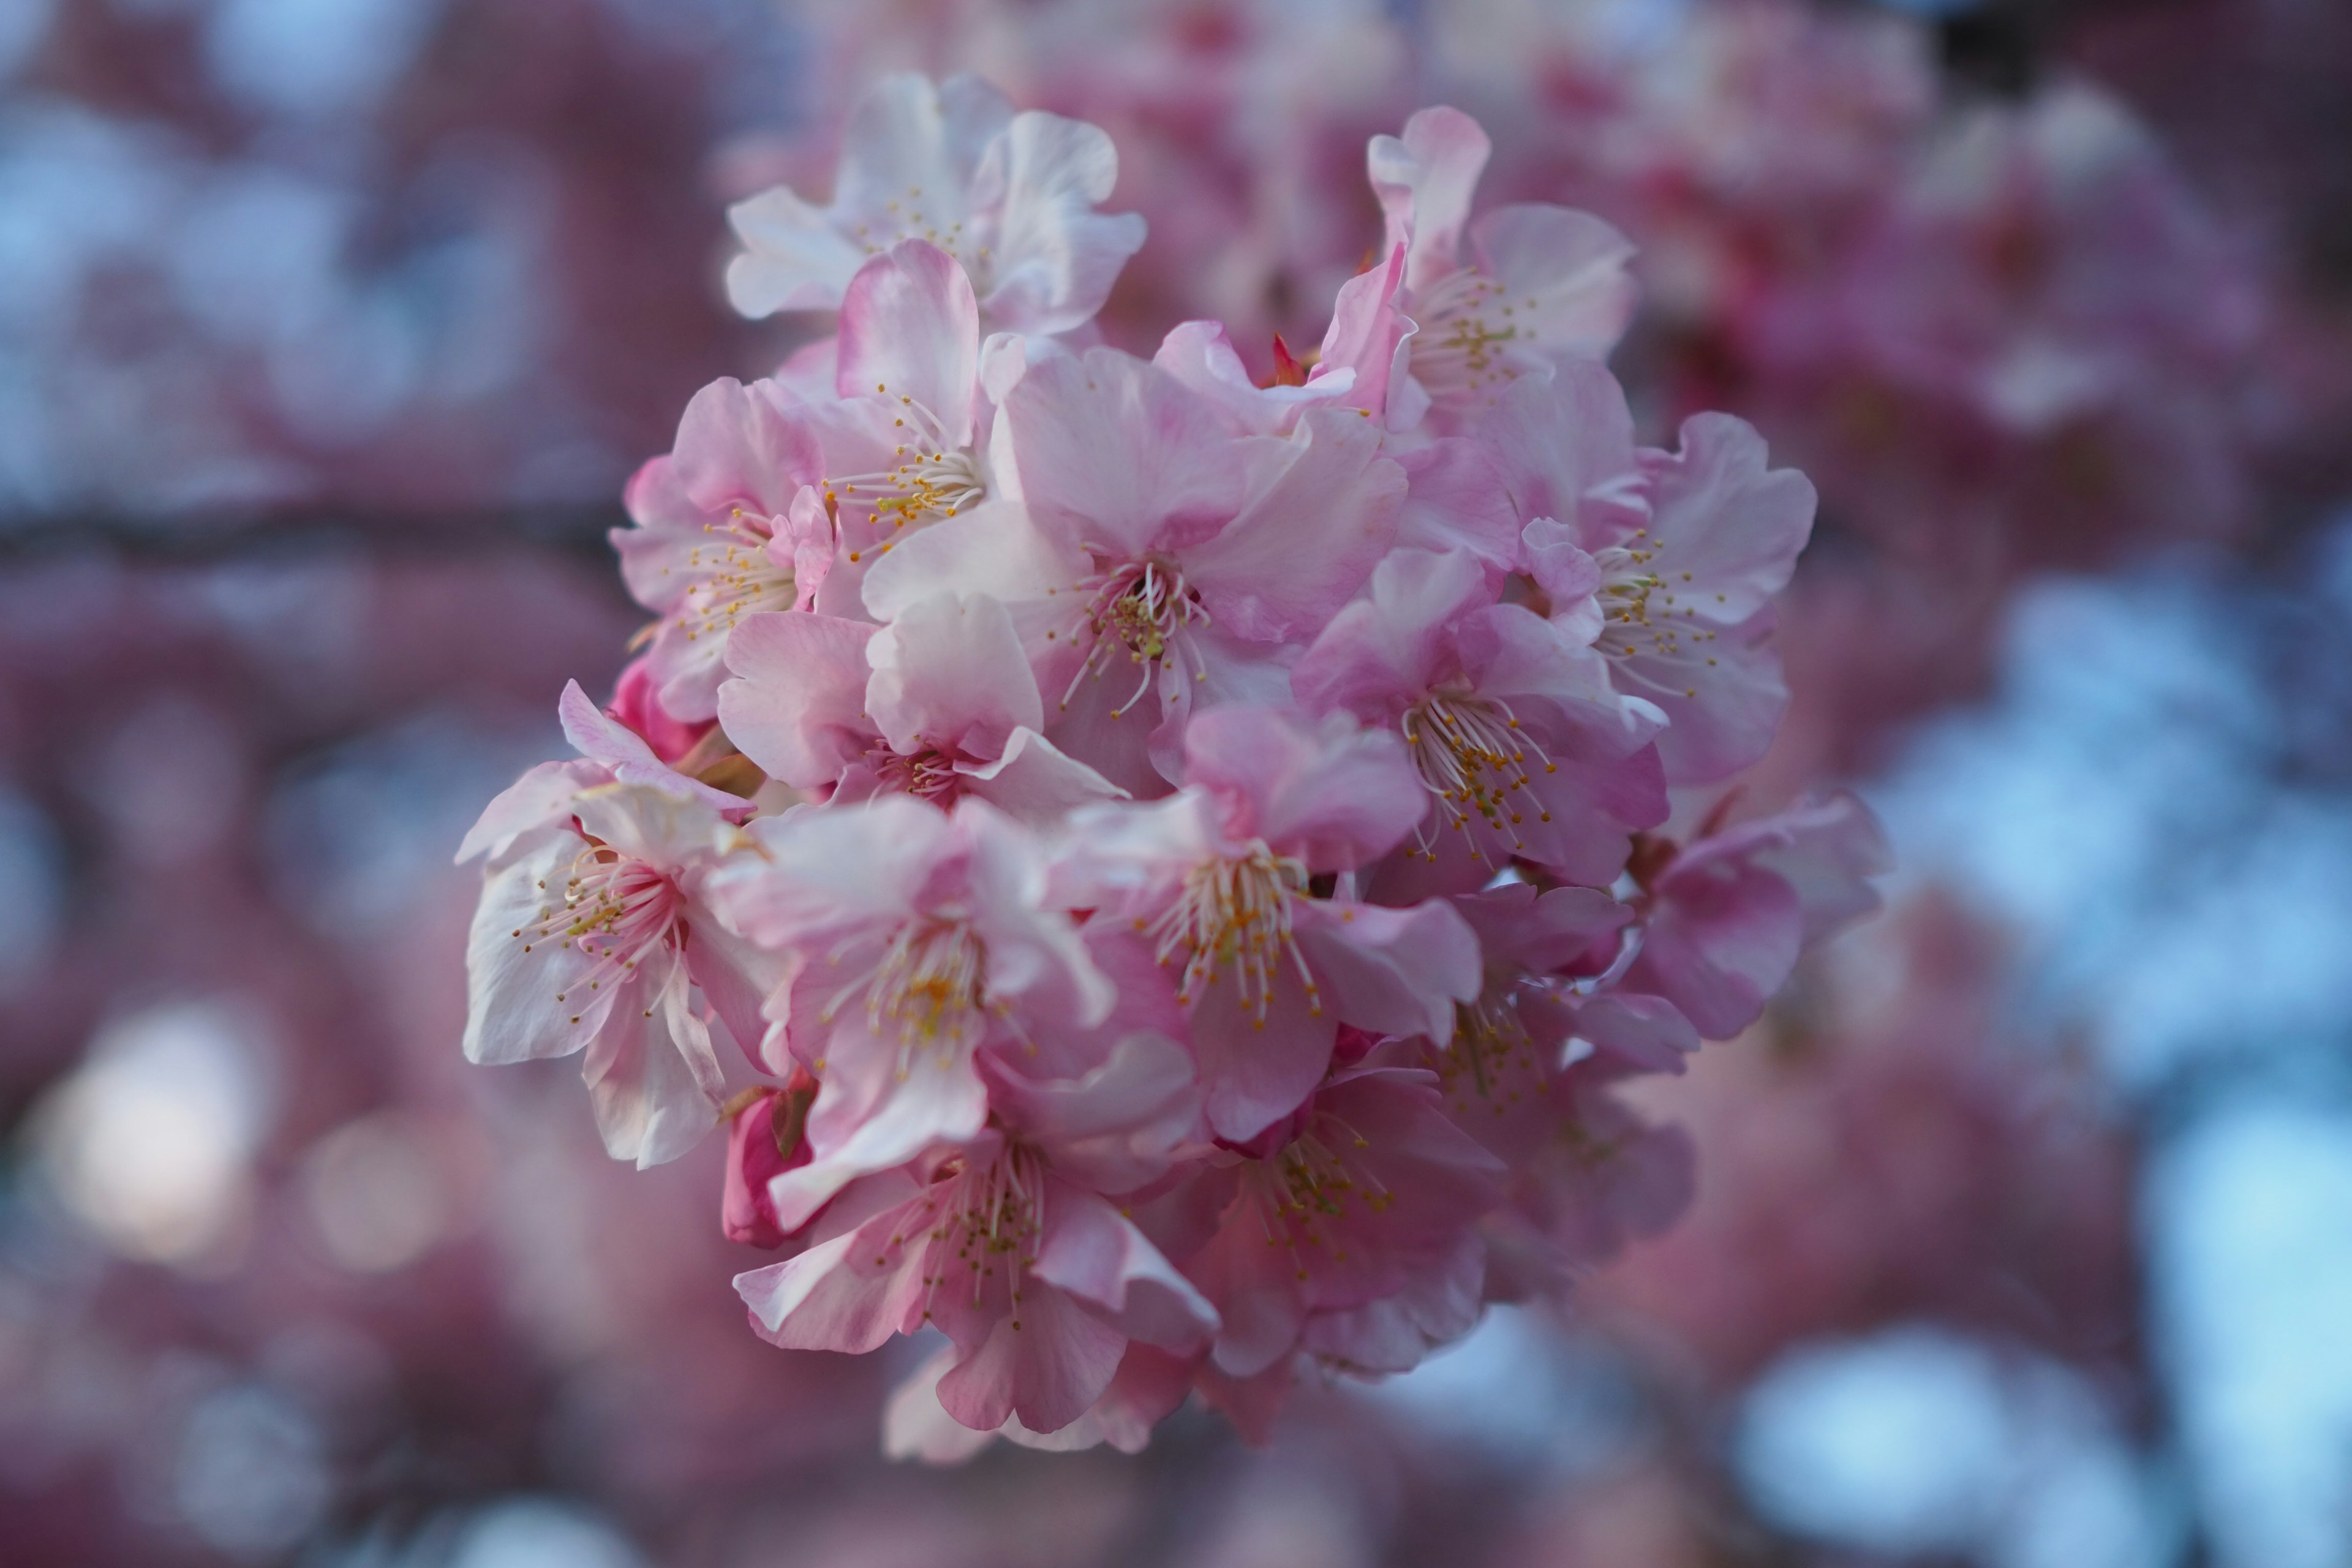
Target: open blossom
1369, 1192
1171, 557
918, 943
1007, 1242
1522, 747
1218, 880
1667, 561
1539, 285
1186, 878
728, 524
1010, 196
594, 935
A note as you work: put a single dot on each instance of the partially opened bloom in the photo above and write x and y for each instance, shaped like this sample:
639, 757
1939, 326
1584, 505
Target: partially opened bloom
1728, 916
1540, 285
906, 433
1010, 196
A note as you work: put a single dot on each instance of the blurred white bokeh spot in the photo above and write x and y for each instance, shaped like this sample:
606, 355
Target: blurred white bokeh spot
380, 1191
150, 1141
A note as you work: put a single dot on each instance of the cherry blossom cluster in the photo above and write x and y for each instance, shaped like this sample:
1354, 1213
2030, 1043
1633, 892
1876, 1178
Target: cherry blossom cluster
1161, 873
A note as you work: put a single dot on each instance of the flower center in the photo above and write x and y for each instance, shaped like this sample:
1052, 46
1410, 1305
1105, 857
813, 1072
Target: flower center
930, 479
738, 577
1646, 615
1234, 911
905, 217
615, 910
1491, 1053
1465, 322
927, 774
927, 989
1473, 755
979, 1224
1141, 609
1304, 1191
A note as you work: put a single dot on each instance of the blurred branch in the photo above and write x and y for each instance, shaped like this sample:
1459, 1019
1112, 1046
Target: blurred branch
197, 537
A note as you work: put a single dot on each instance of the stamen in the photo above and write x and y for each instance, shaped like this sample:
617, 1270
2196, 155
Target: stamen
1235, 910
932, 480
1464, 321
1143, 608
738, 577
615, 910
1653, 639
1473, 755
927, 988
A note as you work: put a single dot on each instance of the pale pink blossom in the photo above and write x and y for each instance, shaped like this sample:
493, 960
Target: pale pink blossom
1010, 196
1218, 881
1171, 558
728, 524
594, 935
918, 943
1540, 284
1006, 1242
904, 425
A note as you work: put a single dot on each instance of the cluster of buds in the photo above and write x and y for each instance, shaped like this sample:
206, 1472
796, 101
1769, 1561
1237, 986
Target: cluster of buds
1160, 872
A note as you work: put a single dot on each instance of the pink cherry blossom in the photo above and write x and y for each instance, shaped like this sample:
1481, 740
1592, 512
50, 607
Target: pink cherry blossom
916, 941
594, 935
1010, 196
1217, 879
1367, 1193
1517, 739
728, 524
939, 704
1728, 915
1186, 873
1540, 284
1183, 555
1007, 1244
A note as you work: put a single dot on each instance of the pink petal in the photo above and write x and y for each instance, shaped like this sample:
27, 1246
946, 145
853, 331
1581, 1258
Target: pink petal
910, 330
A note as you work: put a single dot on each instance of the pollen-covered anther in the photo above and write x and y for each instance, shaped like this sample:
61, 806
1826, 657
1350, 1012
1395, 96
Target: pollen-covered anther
927, 990
1234, 912
932, 479
1472, 753
615, 910
1141, 610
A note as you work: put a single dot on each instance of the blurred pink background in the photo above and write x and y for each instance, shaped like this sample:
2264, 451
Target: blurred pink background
329, 329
